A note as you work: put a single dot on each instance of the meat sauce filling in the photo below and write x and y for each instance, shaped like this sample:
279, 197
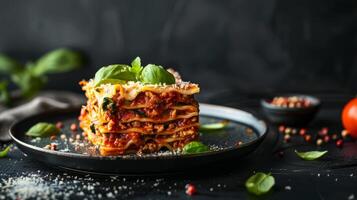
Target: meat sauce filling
146, 143
114, 126
153, 100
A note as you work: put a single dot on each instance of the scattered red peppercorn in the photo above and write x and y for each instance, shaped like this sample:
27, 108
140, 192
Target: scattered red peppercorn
339, 143
291, 102
190, 189
287, 138
53, 146
302, 132
323, 131
59, 125
287, 130
281, 128
326, 138
344, 133
307, 138
293, 131
73, 127
319, 142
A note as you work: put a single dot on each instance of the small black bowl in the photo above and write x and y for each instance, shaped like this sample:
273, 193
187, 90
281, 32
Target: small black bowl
291, 116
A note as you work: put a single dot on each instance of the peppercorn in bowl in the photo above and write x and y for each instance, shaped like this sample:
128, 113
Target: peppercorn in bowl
291, 109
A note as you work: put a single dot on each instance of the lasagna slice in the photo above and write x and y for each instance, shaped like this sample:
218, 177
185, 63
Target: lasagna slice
134, 117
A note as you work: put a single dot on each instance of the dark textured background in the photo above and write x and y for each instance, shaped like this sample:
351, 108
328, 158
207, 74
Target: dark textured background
248, 46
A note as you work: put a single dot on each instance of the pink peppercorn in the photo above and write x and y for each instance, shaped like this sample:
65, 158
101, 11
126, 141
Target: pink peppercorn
339, 143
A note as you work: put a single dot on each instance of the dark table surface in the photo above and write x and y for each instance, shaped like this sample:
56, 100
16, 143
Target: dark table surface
332, 177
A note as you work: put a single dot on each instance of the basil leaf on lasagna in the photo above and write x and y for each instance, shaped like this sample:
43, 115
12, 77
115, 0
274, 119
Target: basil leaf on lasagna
114, 74
195, 147
42, 129
153, 74
136, 66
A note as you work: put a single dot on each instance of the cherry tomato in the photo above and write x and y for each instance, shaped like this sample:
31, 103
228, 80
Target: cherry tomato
349, 117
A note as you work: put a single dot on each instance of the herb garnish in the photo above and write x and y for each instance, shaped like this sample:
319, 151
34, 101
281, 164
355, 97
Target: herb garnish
31, 77
195, 147
42, 129
154, 74
114, 74
120, 73
214, 126
4, 93
92, 128
136, 67
108, 104
4, 152
310, 155
260, 183
57, 61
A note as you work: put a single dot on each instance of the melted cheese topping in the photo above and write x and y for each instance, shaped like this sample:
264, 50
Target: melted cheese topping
130, 90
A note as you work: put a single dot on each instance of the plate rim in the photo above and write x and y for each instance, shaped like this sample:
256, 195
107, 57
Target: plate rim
130, 157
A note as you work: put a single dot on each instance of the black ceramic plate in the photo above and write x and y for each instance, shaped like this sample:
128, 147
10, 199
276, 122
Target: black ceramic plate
80, 155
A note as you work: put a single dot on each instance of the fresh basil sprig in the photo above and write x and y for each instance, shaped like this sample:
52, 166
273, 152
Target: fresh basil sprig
9, 65
260, 183
4, 93
28, 82
4, 152
195, 147
120, 73
31, 77
311, 155
42, 129
57, 61
214, 126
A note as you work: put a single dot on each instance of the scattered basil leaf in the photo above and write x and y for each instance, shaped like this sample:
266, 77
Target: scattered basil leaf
214, 126
4, 93
28, 83
153, 74
310, 155
4, 152
114, 74
9, 65
195, 147
42, 129
136, 67
108, 104
56, 61
260, 183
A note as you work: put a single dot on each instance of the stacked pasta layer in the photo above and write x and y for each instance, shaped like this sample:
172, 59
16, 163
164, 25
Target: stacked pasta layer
140, 118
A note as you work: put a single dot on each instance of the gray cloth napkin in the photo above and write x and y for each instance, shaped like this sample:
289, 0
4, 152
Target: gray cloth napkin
43, 102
